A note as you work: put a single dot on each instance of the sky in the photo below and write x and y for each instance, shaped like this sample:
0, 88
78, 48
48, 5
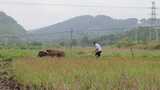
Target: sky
34, 14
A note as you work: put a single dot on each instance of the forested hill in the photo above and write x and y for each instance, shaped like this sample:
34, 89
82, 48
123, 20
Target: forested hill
9, 26
90, 23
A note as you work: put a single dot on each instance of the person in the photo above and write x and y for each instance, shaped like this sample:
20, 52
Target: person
98, 50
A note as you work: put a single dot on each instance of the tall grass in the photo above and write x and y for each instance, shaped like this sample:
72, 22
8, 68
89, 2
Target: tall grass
89, 74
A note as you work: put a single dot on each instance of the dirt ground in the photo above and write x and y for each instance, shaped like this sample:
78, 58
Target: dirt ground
7, 81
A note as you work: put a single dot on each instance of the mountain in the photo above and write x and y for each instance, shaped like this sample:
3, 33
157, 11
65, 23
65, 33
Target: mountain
84, 25
87, 22
10, 30
9, 26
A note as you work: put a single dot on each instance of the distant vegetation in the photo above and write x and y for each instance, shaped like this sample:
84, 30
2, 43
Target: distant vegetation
142, 37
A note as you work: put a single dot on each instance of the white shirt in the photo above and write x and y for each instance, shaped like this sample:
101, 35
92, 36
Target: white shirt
98, 47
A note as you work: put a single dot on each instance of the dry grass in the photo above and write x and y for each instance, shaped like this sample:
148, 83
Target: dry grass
89, 74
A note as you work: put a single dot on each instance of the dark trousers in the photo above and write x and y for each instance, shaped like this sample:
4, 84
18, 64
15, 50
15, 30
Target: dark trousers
98, 53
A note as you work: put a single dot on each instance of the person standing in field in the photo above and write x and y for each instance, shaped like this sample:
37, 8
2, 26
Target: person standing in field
98, 50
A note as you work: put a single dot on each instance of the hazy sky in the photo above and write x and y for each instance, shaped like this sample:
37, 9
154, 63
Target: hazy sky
39, 13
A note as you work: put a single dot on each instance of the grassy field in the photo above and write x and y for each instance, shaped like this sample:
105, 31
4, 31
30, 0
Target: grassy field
83, 53
90, 74
117, 69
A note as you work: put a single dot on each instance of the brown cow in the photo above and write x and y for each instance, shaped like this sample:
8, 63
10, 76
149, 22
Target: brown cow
55, 53
52, 53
